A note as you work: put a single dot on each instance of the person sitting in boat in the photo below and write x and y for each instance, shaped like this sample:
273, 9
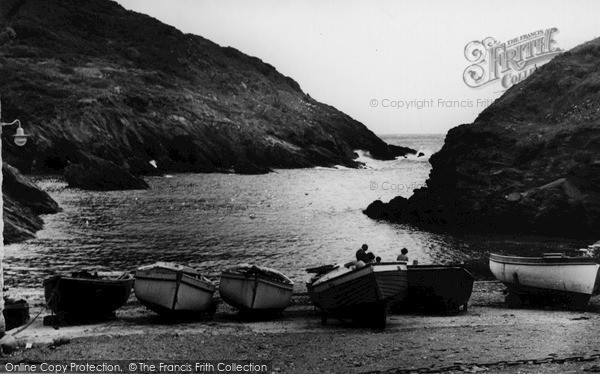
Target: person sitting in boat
402, 256
361, 254
378, 259
360, 264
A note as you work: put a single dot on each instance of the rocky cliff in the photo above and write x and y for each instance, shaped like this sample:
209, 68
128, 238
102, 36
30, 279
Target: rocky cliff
23, 203
89, 77
529, 163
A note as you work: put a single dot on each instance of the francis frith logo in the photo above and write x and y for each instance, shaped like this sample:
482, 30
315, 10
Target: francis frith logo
510, 62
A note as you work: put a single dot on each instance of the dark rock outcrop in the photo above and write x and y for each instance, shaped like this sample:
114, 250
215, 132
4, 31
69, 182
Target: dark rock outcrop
398, 151
23, 203
91, 76
94, 173
249, 168
530, 162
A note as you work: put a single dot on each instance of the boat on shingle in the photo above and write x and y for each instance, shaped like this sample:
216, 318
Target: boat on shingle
437, 288
87, 295
256, 289
174, 290
553, 278
362, 293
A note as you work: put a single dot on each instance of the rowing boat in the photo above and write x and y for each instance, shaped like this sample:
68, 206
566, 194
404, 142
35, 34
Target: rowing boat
173, 290
360, 293
256, 289
553, 277
86, 294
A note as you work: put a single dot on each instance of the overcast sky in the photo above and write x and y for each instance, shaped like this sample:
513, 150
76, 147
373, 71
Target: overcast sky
364, 57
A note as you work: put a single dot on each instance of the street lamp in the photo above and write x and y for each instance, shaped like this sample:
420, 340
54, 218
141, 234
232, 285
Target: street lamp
20, 139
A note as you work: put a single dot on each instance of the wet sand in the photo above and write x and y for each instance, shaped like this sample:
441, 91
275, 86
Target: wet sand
298, 343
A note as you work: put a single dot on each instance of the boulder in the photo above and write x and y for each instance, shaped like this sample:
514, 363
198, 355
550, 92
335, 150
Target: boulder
98, 174
399, 151
391, 211
376, 210
245, 167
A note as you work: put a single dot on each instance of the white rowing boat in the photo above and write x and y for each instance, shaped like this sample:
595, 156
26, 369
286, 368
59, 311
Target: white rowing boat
256, 289
172, 289
554, 277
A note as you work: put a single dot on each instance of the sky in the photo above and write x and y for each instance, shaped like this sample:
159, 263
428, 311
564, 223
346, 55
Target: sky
396, 66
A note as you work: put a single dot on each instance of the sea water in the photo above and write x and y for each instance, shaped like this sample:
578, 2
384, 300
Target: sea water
289, 220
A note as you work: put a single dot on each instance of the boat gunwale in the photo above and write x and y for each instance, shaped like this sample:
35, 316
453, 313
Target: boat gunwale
316, 295
117, 282
436, 266
371, 266
440, 268
171, 267
542, 261
259, 277
205, 285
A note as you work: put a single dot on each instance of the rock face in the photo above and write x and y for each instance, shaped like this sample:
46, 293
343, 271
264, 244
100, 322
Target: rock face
95, 173
529, 163
23, 203
91, 76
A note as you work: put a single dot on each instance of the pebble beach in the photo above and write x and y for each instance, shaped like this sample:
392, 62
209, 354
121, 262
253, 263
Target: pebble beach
488, 337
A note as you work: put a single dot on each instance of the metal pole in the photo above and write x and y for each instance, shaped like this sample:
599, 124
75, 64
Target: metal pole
2, 322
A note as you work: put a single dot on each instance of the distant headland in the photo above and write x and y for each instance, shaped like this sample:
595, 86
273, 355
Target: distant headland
529, 163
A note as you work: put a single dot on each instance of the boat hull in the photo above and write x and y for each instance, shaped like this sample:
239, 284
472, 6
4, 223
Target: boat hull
437, 288
254, 292
172, 291
364, 293
86, 297
555, 279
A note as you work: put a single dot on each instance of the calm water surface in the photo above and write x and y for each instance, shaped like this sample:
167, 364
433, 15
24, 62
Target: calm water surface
289, 220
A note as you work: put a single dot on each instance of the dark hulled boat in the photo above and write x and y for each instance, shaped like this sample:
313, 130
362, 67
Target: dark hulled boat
363, 293
437, 288
87, 295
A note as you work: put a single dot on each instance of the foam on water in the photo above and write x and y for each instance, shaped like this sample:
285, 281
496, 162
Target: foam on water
289, 220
